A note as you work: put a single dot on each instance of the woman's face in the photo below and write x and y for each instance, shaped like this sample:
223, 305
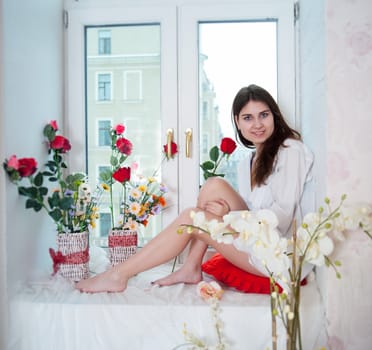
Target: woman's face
256, 122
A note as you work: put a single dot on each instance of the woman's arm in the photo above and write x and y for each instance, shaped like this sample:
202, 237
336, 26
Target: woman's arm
287, 182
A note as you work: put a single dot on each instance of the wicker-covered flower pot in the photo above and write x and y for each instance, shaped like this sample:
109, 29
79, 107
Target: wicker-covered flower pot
71, 259
122, 244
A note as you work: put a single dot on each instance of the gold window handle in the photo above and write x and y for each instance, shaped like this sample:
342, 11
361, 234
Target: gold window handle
169, 142
188, 133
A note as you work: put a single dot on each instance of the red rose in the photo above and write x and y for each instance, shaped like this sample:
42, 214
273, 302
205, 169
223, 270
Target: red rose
60, 143
54, 125
27, 166
122, 174
119, 129
228, 145
174, 149
124, 146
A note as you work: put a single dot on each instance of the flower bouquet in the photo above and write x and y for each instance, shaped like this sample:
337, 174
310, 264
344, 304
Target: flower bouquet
141, 197
71, 204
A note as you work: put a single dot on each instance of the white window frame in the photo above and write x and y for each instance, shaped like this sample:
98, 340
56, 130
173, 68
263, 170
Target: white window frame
180, 20
190, 15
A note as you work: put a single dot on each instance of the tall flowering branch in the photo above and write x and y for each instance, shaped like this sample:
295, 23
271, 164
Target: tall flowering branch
211, 293
285, 259
142, 196
121, 149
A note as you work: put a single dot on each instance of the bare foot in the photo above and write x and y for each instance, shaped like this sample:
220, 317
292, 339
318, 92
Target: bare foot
183, 275
108, 281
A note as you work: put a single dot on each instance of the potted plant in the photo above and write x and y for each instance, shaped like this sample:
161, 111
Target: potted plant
66, 198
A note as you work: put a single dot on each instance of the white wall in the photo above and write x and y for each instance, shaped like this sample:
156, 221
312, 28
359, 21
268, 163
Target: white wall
32, 83
349, 165
3, 289
336, 101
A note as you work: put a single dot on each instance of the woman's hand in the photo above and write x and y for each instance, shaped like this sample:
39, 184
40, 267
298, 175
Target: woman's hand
217, 207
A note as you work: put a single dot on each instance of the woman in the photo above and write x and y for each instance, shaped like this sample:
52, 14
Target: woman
273, 177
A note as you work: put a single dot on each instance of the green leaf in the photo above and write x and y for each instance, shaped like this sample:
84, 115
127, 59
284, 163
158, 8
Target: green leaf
56, 214
53, 201
105, 176
30, 192
208, 165
38, 180
49, 132
208, 174
122, 158
22, 191
31, 203
214, 153
43, 191
113, 161
66, 203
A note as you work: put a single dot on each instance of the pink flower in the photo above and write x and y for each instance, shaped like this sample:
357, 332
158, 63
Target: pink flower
54, 125
124, 146
13, 162
119, 129
134, 166
209, 290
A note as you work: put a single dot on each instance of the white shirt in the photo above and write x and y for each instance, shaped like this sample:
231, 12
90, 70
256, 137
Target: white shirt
287, 191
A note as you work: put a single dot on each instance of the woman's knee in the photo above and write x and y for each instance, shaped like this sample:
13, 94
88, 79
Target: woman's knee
214, 184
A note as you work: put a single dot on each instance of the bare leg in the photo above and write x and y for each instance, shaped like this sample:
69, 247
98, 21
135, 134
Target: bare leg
168, 244
190, 272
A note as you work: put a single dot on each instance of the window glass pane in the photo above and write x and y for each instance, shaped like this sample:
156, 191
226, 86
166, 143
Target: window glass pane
104, 87
104, 42
127, 78
104, 127
231, 55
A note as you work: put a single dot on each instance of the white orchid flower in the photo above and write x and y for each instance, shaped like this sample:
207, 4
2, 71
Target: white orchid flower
356, 216
219, 232
272, 251
268, 217
317, 246
217, 229
199, 219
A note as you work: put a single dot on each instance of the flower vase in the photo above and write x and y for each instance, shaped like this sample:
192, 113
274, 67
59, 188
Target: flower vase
71, 260
122, 244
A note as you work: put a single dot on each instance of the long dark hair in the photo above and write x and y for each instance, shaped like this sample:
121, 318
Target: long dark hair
282, 131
